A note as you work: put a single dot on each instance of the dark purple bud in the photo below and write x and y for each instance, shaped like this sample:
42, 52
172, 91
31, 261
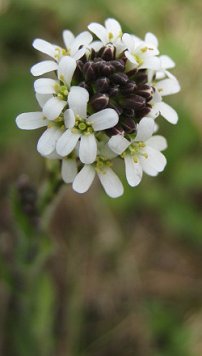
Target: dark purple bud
116, 130
119, 78
119, 65
139, 114
132, 73
107, 69
135, 102
129, 88
145, 90
107, 53
127, 112
141, 77
84, 85
129, 125
113, 90
99, 101
102, 85
89, 71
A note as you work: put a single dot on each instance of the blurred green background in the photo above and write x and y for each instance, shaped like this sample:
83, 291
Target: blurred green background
111, 277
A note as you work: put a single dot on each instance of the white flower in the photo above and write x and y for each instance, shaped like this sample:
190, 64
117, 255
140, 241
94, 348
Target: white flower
75, 47
54, 106
142, 153
102, 166
34, 120
110, 33
140, 54
83, 127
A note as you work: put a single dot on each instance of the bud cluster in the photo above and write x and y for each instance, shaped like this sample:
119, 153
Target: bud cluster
102, 105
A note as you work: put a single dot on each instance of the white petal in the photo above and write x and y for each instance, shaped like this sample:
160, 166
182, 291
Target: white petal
157, 142
131, 58
118, 144
111, 183
167, 112
96, 45
67, 143
53, 108
42, 99
45, 86
147, 168
45, 47
69, 119
31, 120
150, 38
99, 31
84, 179
129, 41
167, 62
133, 171
83, 39
80, 53
113, 27
150, 63
68, 170
43, 67
47, 142
168, 86
88, 149
104, 119
145, 129
68, 38
155, 159
78, 99
66, 68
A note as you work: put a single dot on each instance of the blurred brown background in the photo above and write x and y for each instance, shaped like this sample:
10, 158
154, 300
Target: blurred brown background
111, 277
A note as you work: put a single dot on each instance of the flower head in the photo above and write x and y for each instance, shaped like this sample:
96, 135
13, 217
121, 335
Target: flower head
102, 105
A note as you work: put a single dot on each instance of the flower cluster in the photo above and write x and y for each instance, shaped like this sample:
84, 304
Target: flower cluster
108, 90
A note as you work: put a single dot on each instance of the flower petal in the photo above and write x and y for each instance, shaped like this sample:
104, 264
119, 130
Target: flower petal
150, 63
167, 112
150, 38
80, 53
78, 99
83, 39
68, 38
45, 85
133, 171
111, 183
99, 31
131, 58
168, 86
157, 142
31, 120
166, 62
66, 68
53, 108
88, 149
69, 170
43, 67
104, 119
155, 158
47, 142
118, 144
42, 99
69, 119
113, 27
67, 143
129, 41
84, 179
147, 168
145, 129
45, 47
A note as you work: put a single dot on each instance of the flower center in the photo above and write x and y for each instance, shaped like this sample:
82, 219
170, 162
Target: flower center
101, 164
61, 91
82, 126
135, 149
60, 52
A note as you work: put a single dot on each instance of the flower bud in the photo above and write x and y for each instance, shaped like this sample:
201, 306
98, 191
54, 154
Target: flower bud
135, 102
106, 69
116, 107
128, 112
102, 85
99, 101
107, 53
119, 78
139, 114
116, 130
113, 90
89, 71
129, 125
129, 88
119, 65
145, 90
